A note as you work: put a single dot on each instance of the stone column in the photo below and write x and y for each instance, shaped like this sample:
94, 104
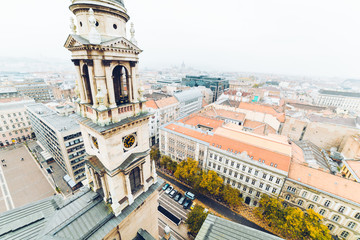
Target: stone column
133, 82
104, 187
109, 83
92, 81
128, 189
154, 175
79, 80
96, 182
99, 76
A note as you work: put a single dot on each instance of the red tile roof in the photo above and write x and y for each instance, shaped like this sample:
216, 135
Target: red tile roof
195, 120
271, 158
151, 104
324, 181
262, 108
164, 102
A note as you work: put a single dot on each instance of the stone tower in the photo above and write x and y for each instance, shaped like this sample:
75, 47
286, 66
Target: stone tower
112, 112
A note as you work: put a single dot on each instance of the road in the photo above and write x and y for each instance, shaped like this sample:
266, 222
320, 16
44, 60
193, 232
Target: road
216, 206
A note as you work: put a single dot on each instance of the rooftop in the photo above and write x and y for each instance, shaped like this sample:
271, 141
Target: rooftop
216, 228
188, 95
324, 181
60, 123
350, 122
164, 102
354, 168
312, 154
151, 104
270, 150
262, 108
71, 218
196, 120
14, 103
340, 93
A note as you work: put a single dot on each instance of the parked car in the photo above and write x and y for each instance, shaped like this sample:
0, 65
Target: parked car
192, 206
190, 195
173, 193
165, 186
182, 200
169, 189
187, 204
177, 197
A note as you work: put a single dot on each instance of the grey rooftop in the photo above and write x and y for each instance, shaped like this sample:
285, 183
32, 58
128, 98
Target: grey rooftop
188, 95
72, 218
218, 228
51, 117
340, 93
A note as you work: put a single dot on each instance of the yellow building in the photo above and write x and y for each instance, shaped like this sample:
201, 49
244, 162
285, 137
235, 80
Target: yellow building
351, 170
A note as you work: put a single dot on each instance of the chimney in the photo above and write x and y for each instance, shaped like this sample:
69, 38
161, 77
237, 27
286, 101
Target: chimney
167, 232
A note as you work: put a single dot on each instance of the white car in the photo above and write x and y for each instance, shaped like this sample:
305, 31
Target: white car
169, 189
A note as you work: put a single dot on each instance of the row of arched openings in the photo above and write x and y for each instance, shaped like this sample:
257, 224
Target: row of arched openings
120, 78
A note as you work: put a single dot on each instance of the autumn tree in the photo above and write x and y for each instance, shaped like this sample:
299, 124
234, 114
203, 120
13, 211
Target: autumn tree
231, 196
211, 183
187, 171
292, 222
164, 161
155, 155
196, 218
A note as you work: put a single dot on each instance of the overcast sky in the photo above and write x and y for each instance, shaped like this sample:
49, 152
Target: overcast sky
306, 37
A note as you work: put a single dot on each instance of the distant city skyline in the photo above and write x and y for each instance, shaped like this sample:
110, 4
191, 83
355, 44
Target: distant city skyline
296, 38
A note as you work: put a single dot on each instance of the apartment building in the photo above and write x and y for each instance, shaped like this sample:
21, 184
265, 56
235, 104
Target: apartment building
60, 136
14, 122
36, 89
335, 198
165, 110
344, 100
252, 163
190, 101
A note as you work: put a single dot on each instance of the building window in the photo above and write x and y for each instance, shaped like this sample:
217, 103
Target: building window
250, 170
235, 175
341, 209
228, 181
274, 190
230, 172
311, 206
344, 234
135, 181
357, 216
322, 212
287, 197
219, 167
227, 161
244, 188
277, 180
232, 163
244, 168
225, 170
335, 218
351, 225
247, 179
271, 178
250, 191
238, 165
209, 164
241, 177
253, 182
315, 198
256, 172
257, 194
264, 176
304, 194
331, 227
300, 202
261, 185
214, 165
267, 187
327, 203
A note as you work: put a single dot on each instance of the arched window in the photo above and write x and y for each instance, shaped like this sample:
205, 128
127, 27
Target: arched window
331, 227
121, 83
87, 87
135, 180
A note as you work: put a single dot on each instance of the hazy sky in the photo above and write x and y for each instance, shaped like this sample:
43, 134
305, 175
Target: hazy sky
307, 37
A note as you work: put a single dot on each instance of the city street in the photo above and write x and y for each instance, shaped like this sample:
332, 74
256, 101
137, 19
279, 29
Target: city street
216, 206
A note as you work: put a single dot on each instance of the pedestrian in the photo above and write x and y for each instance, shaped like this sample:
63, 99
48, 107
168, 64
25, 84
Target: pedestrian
22, 159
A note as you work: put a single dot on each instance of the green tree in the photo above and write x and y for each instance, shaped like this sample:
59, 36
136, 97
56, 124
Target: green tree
211, 183
155, 155
187, 171
196, 219
231, 196
172, 166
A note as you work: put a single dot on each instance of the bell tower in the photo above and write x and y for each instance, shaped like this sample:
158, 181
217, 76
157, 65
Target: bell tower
112, 112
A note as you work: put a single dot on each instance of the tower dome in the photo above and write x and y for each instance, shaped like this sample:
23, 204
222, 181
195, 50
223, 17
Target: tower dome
110, 17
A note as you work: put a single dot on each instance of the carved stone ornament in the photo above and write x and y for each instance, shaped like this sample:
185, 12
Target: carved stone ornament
100, 97
94, 35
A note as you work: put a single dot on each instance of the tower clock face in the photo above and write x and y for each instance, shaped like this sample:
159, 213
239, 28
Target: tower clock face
94, 142
129, 141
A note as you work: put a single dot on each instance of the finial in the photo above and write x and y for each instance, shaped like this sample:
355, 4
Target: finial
132, 32
72, 25
94, 35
